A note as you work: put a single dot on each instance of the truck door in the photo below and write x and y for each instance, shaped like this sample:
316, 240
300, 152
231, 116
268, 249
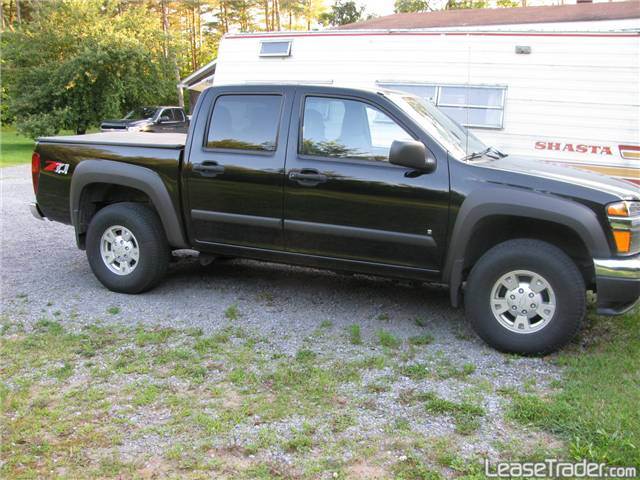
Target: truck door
343, 199
235, 170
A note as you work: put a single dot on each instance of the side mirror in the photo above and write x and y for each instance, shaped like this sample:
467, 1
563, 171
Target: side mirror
164, 119
412, 154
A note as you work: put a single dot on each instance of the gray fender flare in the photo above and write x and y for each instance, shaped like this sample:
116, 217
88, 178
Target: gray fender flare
133, 176
495, 201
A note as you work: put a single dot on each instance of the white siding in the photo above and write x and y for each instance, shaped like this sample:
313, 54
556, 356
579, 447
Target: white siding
570, 89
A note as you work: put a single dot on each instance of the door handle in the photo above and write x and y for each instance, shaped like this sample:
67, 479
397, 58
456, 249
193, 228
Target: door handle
208, 168
308, 177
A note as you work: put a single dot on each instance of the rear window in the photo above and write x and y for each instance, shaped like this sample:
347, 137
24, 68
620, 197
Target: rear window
245, 122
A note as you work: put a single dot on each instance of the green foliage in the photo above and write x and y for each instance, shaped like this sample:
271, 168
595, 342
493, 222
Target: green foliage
466, 415
413, 468
508, 3
465, 4
232, 312
6, 117
597, 409
408, 6
425, 339
342, 13
355, 336
78, 63
14, 148
387, 339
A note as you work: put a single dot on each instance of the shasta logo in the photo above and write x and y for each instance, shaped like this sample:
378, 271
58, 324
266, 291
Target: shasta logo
570, 147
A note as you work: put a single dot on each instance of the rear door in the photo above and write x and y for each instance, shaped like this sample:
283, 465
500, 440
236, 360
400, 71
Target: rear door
181, 121
235, 174
343, 199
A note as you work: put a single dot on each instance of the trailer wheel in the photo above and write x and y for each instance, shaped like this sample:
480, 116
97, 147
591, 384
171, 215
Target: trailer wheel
127, 248
525, 296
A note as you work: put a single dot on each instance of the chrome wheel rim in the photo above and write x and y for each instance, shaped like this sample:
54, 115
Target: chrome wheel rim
119, 250
523, 301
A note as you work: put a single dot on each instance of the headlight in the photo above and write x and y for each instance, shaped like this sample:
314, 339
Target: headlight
135, 128
624, 218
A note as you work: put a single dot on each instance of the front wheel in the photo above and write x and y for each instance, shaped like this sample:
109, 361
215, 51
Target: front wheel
525, 296
127, 247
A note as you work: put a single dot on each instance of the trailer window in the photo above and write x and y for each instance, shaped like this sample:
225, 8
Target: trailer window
279, 48
245, 122
428, 92
473, 106
470, 106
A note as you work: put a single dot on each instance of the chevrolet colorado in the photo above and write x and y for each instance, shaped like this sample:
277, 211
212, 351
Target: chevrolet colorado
369, 181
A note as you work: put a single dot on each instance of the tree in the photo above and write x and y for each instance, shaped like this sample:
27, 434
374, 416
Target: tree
409, 6
342, 13
79, 63
510, 3
464, 4
292, 9
312, 10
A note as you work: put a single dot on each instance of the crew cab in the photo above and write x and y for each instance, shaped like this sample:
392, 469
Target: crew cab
150, 119
371, 181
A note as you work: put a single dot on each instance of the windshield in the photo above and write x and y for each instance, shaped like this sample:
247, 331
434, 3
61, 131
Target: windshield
141, 113
456, 139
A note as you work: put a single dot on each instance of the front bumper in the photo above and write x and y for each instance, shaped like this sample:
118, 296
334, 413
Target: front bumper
618, 284
35, 211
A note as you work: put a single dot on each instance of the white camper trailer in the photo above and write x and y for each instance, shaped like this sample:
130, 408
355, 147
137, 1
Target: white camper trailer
555, 86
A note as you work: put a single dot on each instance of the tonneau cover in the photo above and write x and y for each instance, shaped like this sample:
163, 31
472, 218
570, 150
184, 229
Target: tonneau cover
134, 139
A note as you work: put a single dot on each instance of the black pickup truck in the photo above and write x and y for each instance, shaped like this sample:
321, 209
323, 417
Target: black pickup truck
370, 181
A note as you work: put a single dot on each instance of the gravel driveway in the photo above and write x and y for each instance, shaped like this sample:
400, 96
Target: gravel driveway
286, 306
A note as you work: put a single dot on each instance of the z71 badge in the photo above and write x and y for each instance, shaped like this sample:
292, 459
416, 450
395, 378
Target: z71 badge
56, 167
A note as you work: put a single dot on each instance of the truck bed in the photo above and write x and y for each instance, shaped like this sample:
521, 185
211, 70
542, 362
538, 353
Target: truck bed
129, 139
159, 152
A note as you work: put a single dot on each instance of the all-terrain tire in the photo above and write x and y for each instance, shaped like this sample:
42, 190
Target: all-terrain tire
147, 236
488, 291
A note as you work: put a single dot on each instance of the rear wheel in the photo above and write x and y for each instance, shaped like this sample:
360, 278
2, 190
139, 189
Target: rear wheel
127, 247
525, 296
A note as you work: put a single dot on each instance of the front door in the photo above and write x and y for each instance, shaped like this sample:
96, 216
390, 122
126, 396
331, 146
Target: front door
343, 199
236, 168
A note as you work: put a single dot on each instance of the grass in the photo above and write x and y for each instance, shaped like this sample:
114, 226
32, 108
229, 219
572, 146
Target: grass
355, 336
232, 313
418, 340
596, 410
387, 339
14, 149
465, 414
219, 405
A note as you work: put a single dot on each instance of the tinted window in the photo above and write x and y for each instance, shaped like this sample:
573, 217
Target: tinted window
141, 113
166, 115
178, 115
347, 129
245, 122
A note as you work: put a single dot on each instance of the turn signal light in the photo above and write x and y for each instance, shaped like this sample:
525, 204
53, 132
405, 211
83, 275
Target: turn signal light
619, 209
35, 171
624, 209
623, 240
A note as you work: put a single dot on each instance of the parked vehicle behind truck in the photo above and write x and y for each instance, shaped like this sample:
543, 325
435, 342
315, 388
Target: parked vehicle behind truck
370, 181
150, 119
